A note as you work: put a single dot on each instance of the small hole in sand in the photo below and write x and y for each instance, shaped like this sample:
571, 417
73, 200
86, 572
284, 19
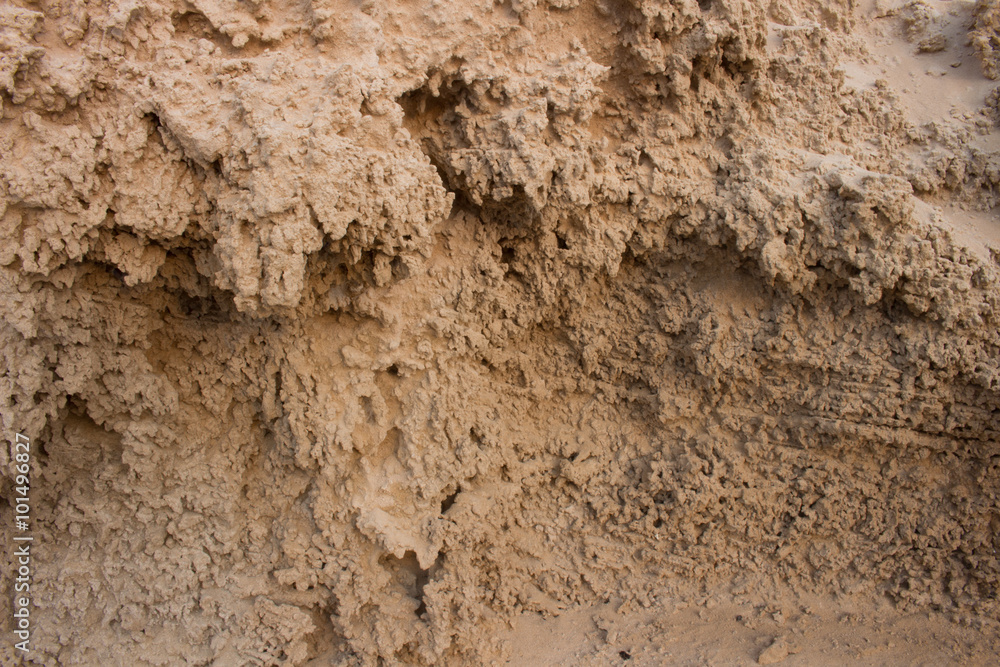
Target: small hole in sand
450, 500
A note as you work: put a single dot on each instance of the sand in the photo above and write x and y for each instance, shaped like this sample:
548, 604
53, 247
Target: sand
530, 333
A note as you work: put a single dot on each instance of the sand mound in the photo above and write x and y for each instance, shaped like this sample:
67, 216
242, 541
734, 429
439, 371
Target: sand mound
348, 333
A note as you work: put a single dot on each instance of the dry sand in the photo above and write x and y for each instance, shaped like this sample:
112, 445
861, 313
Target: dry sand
530, 333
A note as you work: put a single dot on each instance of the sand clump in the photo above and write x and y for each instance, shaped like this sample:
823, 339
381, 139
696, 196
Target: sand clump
358, 334
986, 36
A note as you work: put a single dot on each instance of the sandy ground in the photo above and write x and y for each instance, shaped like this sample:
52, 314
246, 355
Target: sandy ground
528, 333
931, 88
793, 631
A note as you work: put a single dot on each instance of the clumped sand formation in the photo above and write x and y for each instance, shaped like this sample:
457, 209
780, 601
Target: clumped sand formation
986, 36
349, 331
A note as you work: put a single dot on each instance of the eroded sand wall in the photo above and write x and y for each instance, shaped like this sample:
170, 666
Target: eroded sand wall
350, 330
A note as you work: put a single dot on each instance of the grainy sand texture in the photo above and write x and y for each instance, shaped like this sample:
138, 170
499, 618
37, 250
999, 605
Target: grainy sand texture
535, 332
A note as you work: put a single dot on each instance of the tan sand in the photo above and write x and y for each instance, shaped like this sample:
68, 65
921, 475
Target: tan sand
536, 332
